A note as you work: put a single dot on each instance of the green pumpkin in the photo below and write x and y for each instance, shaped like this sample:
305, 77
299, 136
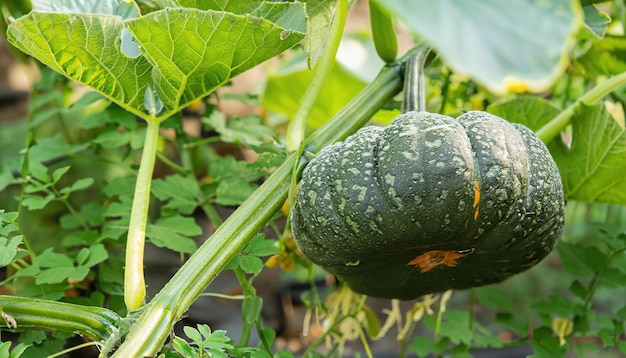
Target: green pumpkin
430, 203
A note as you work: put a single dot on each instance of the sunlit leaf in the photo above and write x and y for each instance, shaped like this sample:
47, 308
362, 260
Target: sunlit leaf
593, 168
123, 8
518, 45
210, 47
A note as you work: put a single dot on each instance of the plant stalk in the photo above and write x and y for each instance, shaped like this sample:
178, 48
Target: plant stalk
414, 98
156, 320
134, 282
553, 128
31, 313
296, 130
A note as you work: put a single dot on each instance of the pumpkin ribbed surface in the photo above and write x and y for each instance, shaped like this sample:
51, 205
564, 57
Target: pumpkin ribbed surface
430, 203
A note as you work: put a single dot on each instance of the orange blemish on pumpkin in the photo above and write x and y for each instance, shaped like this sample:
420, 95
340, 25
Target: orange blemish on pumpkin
476, 198
432, 259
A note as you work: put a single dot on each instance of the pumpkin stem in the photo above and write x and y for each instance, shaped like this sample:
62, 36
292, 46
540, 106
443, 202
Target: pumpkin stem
414, 97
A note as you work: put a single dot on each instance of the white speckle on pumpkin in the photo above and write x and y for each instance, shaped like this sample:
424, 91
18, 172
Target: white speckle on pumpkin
434, 144
312, 196
390, 179
362, 192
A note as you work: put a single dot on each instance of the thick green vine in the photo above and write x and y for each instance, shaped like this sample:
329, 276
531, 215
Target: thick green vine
552, 129
157, 318
23, 313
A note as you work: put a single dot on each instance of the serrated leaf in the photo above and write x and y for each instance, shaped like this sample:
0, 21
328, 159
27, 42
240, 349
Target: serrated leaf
179, 192
519, 45
422, 346
593, 168
204, 330
58, 173
54, 275
121, 186
49, 258
193, 334
578, 289
250, 264
494, 298
607, 336
82, 255
533, 112
457, 327
248, 130
97, 254
181, 346
8, 216
8, 249
35, 202
81, 184
112, 138
574, 260
607, 56
234, 192
259, 246
79, 273
612, 278
209, 48
7, 228
555, 306
18, 350
174, 233
52, 147
119, 209
288, 16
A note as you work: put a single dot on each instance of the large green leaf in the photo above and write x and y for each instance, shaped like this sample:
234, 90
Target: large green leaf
319, 12
593, 167
505, 45
606, 56
533, 112
282, 14
156, 64
122, 8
